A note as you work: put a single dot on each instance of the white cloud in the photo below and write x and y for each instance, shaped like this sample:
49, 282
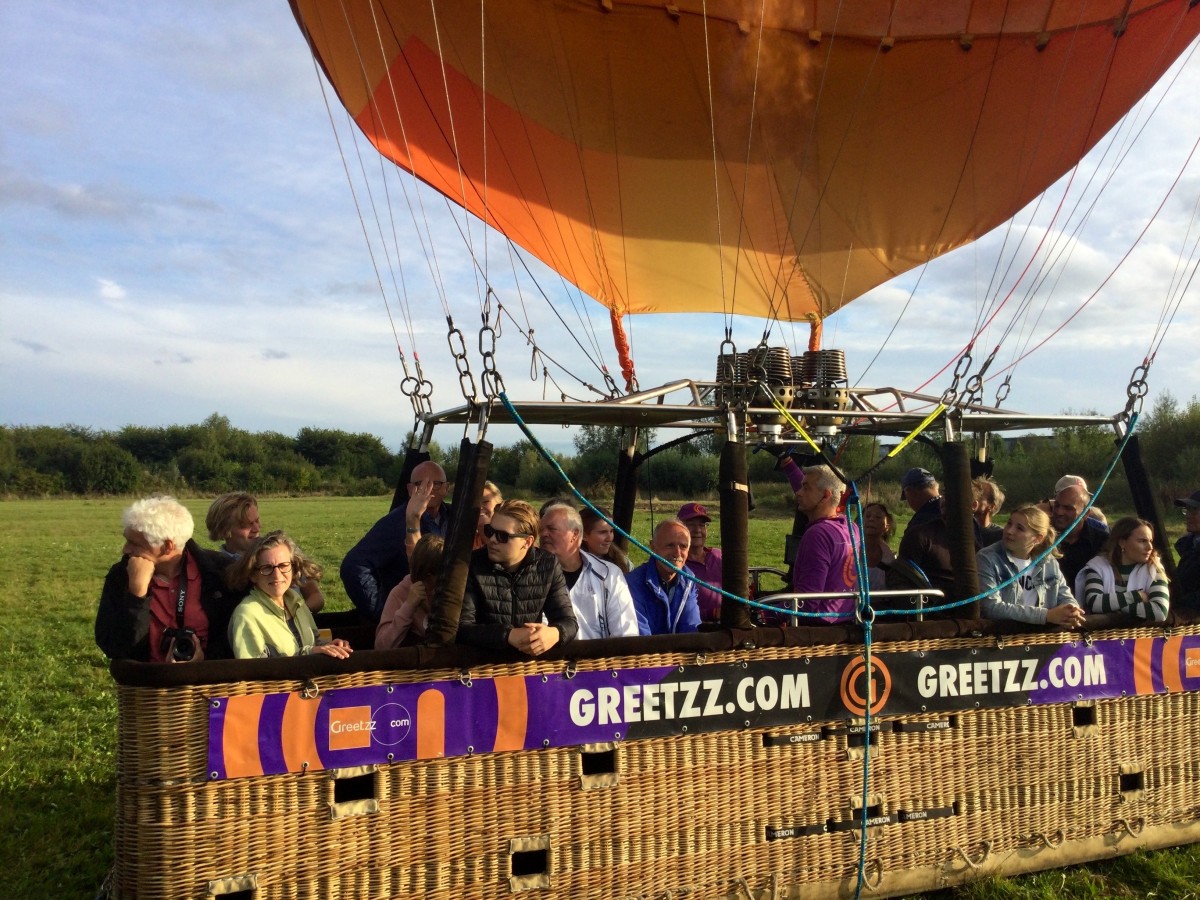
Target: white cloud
187, 156
110, 290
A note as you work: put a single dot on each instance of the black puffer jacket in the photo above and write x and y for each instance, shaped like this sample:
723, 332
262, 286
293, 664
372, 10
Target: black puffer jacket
496, 601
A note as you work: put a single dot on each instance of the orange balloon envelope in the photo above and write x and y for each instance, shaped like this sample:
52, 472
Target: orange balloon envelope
673, 156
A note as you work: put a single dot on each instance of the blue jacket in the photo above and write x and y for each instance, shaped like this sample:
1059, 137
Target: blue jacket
656, 612
1047, 581
379, 562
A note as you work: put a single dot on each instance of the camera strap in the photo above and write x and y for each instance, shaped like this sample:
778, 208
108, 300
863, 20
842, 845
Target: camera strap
183, 583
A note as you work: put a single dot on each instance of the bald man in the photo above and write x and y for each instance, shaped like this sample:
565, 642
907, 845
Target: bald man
665, 601
379, 561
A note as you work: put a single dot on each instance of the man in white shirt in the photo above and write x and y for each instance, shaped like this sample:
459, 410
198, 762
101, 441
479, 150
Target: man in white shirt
599, 594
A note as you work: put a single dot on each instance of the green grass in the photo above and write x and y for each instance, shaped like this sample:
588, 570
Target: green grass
58, 709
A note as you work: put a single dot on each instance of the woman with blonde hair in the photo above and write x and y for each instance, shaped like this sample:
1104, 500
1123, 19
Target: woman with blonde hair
233, 519
1036, 591
1127, 576
489, 500
273, 619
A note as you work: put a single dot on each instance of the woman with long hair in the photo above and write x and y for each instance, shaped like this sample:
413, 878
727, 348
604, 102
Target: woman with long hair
406, 612
878, 528
273, 619
1032, 591
599, 537
1127, 575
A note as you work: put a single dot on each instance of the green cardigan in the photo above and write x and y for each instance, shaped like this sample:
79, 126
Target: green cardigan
259, 627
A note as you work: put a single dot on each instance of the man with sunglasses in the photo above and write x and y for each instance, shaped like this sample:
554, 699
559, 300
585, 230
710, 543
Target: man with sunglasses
379, 561
1187, 573
165, 583
511, 585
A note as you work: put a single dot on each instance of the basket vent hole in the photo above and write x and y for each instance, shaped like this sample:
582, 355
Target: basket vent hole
600, 762
360, 787
238, 895
873, 811
1131, 781
530, 862
1083, 715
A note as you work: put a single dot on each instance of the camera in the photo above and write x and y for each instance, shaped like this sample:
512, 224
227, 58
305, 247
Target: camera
180, 644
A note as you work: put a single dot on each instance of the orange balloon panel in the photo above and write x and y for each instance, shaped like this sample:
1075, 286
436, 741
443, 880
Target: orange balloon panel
666, 161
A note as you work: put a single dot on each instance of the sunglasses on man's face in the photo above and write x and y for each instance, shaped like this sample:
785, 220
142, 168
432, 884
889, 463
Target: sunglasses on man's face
502, 537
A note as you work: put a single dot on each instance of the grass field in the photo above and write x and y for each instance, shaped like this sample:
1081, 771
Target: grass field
57, 706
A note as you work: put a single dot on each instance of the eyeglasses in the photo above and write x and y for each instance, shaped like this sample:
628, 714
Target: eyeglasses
285, 568
502, 537
1189, 511
436, 484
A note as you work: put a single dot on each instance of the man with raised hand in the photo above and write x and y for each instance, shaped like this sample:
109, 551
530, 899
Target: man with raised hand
665, 601
166, 600
601, 599
379, 561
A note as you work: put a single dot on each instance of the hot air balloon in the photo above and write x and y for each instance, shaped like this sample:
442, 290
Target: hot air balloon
776, 160
772, 159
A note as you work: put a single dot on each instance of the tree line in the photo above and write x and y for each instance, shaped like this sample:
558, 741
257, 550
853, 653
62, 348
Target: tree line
212, 457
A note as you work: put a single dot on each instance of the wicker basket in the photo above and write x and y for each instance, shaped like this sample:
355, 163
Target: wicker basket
758, 811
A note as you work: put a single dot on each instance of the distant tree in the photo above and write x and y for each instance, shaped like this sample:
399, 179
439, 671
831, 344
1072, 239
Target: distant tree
1170, 437
105, 468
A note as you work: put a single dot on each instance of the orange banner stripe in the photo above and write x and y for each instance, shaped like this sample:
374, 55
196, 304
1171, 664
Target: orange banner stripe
1143, 660
1172, 664
239, 738
298, 734
431, 724
512, 713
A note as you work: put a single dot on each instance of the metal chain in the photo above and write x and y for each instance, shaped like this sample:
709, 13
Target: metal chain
416, 387
1003, 391
960, 369
609, 384
493, 383
424, 386
974, 390
1137, 390
458, 349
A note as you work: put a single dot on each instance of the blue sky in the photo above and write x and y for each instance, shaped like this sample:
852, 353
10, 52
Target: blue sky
177, 238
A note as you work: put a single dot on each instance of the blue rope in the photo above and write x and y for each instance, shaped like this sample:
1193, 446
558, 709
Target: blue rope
864, 611
863, 590
866, 616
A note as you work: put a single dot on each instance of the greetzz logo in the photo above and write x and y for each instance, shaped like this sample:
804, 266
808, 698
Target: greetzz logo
856, 686
350, 728
358, 727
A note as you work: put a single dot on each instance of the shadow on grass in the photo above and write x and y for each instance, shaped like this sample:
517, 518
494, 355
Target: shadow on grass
59, 838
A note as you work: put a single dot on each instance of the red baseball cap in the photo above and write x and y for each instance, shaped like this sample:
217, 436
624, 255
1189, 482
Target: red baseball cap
693, 511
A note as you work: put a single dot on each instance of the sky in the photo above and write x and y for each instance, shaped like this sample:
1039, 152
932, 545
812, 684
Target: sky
178, 238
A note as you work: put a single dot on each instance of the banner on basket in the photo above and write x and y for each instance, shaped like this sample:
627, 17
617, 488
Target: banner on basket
266, 734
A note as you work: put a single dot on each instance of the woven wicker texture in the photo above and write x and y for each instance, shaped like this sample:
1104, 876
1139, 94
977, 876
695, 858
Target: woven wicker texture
690, 813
